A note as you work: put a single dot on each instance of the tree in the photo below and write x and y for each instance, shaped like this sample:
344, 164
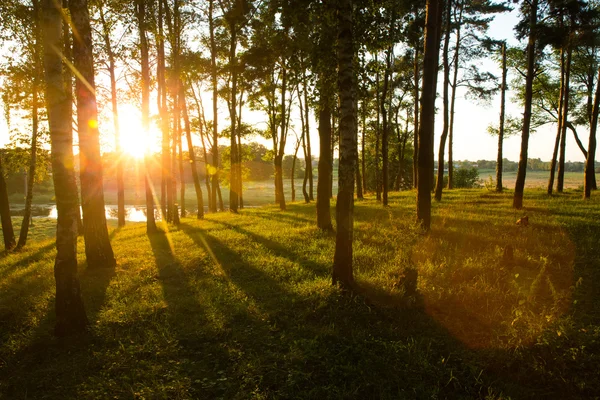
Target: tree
70, 312
342, 260
501, 126
98, 249
427, 117
145, 83
531, 45
589, 162
7, 227
192, 155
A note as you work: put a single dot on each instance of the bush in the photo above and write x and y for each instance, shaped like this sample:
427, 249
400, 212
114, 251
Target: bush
466, 178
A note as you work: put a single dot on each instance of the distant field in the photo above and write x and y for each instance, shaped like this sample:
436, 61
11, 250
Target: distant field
534, 179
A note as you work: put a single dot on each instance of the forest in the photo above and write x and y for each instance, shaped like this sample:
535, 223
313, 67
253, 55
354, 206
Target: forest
231, 199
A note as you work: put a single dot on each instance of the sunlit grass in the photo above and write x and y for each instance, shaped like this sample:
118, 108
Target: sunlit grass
241, 306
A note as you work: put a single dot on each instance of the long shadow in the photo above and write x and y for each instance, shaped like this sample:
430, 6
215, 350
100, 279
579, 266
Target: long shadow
32, 258
281, 251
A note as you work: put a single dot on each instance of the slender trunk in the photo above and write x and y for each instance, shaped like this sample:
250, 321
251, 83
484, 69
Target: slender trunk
416, 117
191, 154
181, 170
342, 260
324, 177
362, 146
559, 121
141, 10
589, 176
308, 147
330, 188
115, 113
293, 171
164, 119
385, 133
282, 140
304, 149
522, 171
377, 134
499, 165
98, 249
215, 97
233, 186
7, 228
70, 312
205, 154
440, 172
453, 98
563, 136
427, 118
34, 128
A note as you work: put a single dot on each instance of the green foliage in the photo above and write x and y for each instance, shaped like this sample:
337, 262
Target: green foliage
466, 178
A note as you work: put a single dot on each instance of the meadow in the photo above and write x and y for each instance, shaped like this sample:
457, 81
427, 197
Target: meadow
241, 306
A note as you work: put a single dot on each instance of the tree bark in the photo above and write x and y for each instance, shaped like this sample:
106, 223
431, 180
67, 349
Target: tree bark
70, 312
34, 128
499, 161
342, 261
563, 136
377, 135
282, 140
192, 155
522, 171
416, 125
446, 86
385, 132
115, 113
8, 233
233, 184
215, 97
141, 17
427, 118
589, 176
308, 146
98, 249
324, 177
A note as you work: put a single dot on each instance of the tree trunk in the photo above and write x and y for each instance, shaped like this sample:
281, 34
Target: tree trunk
559, 121
141, 11
342, 260
70, 312
115, 113
563, 136
377, 135
304, 147
427, 118
98, 249
7, 228
215, 98
181, 170
192, 155
233, 185
589, 178
34, 129
439, 185
499, 161
282, 140
308, 147
454, 84
416, 126
522, 171
362, 146
324, 177
164, 119
386, 133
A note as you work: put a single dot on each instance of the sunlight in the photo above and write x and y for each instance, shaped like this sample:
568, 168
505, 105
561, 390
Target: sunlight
134, 141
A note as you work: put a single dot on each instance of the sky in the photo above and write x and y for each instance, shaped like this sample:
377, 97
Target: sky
471, 140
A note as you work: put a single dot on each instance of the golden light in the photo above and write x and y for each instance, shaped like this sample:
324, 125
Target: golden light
134, 140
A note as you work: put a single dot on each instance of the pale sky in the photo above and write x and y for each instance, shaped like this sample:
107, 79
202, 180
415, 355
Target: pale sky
471, 140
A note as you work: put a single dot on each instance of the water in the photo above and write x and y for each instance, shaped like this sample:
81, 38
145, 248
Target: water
132, 213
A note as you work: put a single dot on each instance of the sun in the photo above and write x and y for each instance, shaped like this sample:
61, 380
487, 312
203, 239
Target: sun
134, 140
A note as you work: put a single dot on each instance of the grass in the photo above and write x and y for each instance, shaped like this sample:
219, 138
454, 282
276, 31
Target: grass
241, 306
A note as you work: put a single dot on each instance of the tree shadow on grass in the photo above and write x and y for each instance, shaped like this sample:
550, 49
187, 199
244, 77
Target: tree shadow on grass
279, 250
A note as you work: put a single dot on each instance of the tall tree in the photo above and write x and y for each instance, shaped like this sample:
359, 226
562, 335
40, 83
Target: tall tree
342, 260
110, 53
145, 83
427, 118
192, 155
70, 313
532, 12
589, 161
98, 249
8, 233
499, 186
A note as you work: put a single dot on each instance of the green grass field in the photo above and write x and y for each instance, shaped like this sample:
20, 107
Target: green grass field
241, 306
